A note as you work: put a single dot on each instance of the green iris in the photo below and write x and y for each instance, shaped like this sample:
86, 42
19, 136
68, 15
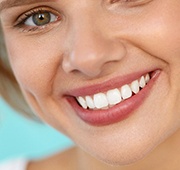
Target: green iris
41, 19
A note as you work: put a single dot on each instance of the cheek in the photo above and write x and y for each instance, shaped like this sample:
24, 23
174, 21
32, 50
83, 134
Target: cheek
156, 31
165, 44
35, 65
163, 36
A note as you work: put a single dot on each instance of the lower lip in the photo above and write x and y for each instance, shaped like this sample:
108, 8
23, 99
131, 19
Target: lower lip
116, 113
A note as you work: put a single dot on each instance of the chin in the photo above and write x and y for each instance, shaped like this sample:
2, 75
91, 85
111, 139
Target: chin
123, 159
132, 154
127, 154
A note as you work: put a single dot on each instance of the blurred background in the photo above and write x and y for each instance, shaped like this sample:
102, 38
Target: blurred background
20, 137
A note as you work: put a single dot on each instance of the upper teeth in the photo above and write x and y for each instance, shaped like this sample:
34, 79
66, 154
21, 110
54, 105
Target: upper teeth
113, 96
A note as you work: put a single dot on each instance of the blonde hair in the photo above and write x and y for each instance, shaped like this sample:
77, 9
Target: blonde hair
9, 88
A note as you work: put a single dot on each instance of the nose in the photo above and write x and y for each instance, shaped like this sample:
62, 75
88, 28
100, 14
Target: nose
90, 50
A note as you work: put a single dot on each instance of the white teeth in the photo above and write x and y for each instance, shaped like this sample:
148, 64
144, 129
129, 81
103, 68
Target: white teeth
135, 86
82, 102
100, 100
90, 102
114, 96
147, 78
142, 82
126, 92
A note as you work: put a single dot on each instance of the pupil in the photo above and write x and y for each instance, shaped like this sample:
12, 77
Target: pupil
41, 19
41, 16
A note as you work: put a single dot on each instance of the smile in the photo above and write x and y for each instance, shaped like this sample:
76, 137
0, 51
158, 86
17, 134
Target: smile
114, 96
114, 100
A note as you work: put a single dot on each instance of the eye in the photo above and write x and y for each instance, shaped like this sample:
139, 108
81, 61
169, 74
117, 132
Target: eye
130, 2
115, 1
40, 19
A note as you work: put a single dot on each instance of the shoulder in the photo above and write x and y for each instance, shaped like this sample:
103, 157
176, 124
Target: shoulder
15, 164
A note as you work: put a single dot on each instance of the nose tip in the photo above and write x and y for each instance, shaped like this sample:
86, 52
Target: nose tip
90, 59
89, 49
86, 64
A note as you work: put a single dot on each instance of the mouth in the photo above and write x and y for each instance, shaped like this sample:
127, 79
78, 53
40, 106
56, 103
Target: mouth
113, 104
108, 99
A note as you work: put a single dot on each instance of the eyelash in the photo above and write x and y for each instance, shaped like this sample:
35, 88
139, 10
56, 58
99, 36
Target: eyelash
115, 1
20, 23
130, 3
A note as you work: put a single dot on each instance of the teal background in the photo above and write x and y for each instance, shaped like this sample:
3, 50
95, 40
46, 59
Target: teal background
20, 137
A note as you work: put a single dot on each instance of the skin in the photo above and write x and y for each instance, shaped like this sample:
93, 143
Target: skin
94, 42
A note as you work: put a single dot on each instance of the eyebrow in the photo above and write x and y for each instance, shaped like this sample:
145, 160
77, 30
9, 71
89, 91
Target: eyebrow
12, 3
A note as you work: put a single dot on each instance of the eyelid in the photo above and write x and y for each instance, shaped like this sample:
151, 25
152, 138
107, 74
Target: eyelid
22, 18
129, 3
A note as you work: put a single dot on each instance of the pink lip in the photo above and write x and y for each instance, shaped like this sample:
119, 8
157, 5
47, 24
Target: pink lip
107, 85
118, 112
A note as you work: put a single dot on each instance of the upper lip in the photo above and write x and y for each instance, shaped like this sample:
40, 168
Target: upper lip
115, 82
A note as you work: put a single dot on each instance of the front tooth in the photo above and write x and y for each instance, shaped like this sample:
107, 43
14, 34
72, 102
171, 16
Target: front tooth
147, 78
142, 82
114, 96
90, 102
100, 100
82, 102
126, 92
135, 86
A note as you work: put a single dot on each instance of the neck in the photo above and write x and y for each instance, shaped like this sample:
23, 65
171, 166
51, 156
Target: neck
165, 156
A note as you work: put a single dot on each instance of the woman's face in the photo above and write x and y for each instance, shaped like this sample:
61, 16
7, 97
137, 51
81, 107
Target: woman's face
64, 50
